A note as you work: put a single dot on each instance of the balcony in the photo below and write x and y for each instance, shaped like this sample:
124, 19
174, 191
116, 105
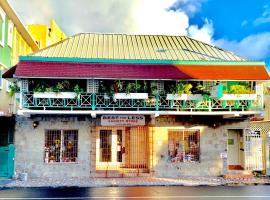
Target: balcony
162, 97
93, 101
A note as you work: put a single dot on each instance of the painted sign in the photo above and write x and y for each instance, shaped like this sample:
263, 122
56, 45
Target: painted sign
122, 120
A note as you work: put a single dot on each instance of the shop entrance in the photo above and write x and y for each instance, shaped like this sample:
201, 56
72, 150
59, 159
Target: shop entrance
122, 149
235, 149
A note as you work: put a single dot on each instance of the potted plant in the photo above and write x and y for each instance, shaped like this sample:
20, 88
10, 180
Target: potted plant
57, 91
131, 89
183, 92
238, 92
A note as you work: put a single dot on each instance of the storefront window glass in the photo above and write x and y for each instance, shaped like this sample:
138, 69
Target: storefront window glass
184, 145
61, 146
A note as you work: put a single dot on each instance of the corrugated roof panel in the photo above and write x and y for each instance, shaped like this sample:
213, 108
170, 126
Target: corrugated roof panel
120, 47
181, 46
199, 48
125, 47
90, 45
136, 49
74, 47
210, 54
150, 47
178, 53
85, 46
145, 47
115, 47
95, 47
169, 48
160, 48
105, 46
190, 49
110, 47
100, 46
140, 47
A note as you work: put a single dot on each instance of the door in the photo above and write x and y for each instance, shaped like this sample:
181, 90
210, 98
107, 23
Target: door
7, 161
233, 148
253, 150
110, 148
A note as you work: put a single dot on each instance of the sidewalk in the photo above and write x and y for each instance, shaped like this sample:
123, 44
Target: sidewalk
134, 181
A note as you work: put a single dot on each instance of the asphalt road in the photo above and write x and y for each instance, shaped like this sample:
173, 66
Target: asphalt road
177, 192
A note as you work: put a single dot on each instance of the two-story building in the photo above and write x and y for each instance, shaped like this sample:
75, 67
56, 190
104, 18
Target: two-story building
120, 105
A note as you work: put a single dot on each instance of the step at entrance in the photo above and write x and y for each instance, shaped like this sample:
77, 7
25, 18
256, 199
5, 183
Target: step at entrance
239, 174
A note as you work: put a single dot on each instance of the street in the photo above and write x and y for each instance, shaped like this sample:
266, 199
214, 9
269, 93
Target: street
179, 192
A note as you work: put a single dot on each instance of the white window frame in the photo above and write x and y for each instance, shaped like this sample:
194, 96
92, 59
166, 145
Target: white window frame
3, 16
62, 147
1, 82
10, 33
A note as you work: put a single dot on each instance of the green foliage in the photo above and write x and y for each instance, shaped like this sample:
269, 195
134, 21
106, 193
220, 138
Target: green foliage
183, 88
132, 87
39, 88
78, 90
239, 89
59, 87
13, 88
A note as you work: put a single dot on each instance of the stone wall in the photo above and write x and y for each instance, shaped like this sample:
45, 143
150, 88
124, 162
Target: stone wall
213, 141
30, 141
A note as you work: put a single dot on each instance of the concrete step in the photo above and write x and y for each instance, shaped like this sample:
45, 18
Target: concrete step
239, 174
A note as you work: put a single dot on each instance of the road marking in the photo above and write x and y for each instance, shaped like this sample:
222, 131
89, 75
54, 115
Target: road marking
137, 197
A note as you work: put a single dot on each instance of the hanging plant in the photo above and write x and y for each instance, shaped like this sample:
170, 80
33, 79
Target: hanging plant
13, 88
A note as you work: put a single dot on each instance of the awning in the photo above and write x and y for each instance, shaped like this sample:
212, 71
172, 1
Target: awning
39, 69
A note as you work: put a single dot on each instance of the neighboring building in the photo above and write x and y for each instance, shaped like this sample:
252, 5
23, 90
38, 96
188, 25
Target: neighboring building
120, 105
15, 40
46, 35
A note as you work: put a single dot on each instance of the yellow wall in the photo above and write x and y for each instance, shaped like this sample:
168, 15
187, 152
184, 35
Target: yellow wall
19, 47
46, 35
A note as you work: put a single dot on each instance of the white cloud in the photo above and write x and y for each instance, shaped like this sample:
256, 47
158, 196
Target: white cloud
264, 18
115, 16
205, 33
255, 47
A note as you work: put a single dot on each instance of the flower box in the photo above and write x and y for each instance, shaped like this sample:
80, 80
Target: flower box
55, 95
239, 97
130, 96
184, 97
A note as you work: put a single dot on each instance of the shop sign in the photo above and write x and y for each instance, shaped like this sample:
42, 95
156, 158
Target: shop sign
122, 120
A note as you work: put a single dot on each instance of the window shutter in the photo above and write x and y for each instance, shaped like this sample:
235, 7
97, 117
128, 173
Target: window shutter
92, 86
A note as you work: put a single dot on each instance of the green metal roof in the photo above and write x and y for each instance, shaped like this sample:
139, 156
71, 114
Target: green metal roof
135, 47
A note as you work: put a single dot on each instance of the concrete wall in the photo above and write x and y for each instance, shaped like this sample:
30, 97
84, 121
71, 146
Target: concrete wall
29, 144
30, 147
213, 141
267, 107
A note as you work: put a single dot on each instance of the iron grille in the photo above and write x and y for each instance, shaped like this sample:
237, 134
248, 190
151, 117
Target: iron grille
184, 145
61, 146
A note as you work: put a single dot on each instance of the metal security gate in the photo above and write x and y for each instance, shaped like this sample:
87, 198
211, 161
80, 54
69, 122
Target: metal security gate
253, 150
122, 151
7, 161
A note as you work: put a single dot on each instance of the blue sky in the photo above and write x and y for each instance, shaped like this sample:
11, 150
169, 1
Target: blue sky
241, 26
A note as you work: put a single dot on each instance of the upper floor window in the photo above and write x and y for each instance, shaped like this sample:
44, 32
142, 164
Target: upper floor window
2, 27
10, 33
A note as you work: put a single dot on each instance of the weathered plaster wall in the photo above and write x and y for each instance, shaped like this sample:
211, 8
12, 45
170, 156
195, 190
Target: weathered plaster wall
213, 141
30, 148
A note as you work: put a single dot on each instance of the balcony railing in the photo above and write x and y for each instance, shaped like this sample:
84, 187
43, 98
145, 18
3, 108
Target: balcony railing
93, 101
